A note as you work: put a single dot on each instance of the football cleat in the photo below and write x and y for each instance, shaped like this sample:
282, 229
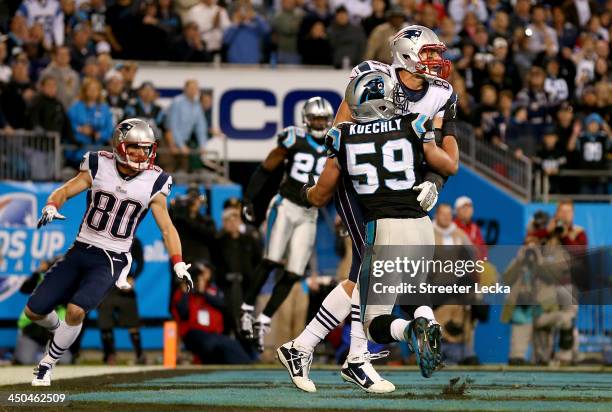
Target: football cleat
417, 336
297, 361
260, 330
357, 369
246, 323
435, 342
42, 375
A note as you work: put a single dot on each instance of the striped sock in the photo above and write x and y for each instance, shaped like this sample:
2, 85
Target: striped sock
64, 337
359, 342
334, 309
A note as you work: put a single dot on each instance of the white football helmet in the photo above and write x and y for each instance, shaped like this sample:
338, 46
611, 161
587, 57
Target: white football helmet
317, 107
410, 49
370, 97
134, 132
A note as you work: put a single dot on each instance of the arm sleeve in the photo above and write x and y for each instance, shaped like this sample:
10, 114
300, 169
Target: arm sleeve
332, 142
449, 113
287, 138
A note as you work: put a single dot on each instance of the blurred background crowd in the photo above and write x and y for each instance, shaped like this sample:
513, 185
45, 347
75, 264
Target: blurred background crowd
532, 77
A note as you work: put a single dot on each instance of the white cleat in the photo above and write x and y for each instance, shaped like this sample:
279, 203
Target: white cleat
42, 375
357, 369
297, 361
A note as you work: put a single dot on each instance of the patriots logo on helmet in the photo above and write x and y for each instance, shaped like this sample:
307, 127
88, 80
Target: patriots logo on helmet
374, 89
124, 128
412, 34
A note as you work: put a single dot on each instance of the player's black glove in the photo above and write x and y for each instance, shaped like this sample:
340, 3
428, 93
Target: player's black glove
248, 212
304, 190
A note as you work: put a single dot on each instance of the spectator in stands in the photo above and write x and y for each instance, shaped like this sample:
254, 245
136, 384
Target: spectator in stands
593, 145
448, 35
286, 26
120, 309
357, 9
456, 320
457, 9
379, 8
190, 47
67, 79
315, 48
36, 51
5, 69
82, 46
95, 13
47, 113
464, 211
378, 44
554, 85
200, 321
535, 99
542, 38
151, 38
236, 256
500, 25
146, 108
486, 113
92, 121
347, 40
169, 20
212, 21
579, 12
121, 20
128, 70
50, 13
206, 100
116, 96
521, 15
247, 36
550, 157
316, 11
502, 119
185, 120
18, 34
72, 16
17, 93
566, 31
104, 59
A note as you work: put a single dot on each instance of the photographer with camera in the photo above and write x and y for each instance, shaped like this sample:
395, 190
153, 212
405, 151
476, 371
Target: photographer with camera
196, 229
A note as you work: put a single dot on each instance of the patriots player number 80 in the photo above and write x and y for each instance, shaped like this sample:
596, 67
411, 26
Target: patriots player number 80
101, 211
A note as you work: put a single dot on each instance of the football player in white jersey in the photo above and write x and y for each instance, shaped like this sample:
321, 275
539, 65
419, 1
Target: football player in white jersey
419, 72
292, 225
121, 187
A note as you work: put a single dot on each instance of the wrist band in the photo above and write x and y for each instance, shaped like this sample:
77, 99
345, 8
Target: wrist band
176, 259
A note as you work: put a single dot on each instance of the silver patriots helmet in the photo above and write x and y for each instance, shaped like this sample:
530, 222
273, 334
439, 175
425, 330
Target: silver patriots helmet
317, 107
370, 97
134, 132
411, 48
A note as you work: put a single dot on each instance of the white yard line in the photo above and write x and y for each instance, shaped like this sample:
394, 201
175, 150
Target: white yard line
11, 375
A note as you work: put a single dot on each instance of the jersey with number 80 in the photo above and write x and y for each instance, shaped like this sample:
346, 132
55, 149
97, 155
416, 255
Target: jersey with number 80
117, 205
383, 160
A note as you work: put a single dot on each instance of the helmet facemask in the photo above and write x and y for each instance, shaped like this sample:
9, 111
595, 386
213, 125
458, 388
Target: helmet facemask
418, 50
317, 108
318, 125
136, 163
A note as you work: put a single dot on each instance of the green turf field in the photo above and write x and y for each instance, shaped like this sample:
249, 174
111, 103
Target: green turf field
222, 389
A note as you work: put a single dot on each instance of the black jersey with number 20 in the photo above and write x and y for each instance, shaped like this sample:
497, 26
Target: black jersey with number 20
383, 160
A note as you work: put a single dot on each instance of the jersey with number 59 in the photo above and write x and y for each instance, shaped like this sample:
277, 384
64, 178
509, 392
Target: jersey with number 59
117, 204
382, 159
306, 156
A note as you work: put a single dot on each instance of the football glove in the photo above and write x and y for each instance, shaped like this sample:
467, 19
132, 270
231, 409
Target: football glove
304, 190
181, 269
428, 195
49, 213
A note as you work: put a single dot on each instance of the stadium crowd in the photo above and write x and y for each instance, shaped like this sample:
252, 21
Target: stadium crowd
532, 77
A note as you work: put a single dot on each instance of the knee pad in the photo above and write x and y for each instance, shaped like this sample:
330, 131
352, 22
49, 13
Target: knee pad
379, 330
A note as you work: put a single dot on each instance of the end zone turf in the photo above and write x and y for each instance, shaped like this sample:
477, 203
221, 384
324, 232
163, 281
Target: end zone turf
265, 389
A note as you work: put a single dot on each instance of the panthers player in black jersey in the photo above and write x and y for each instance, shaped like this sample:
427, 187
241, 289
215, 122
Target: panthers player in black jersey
382, 159
291, 224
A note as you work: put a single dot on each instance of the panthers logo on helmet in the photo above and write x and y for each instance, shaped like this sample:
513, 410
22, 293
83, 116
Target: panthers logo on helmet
374, 89
124, 128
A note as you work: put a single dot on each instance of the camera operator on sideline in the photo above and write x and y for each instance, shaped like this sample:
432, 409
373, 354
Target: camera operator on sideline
196, 229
